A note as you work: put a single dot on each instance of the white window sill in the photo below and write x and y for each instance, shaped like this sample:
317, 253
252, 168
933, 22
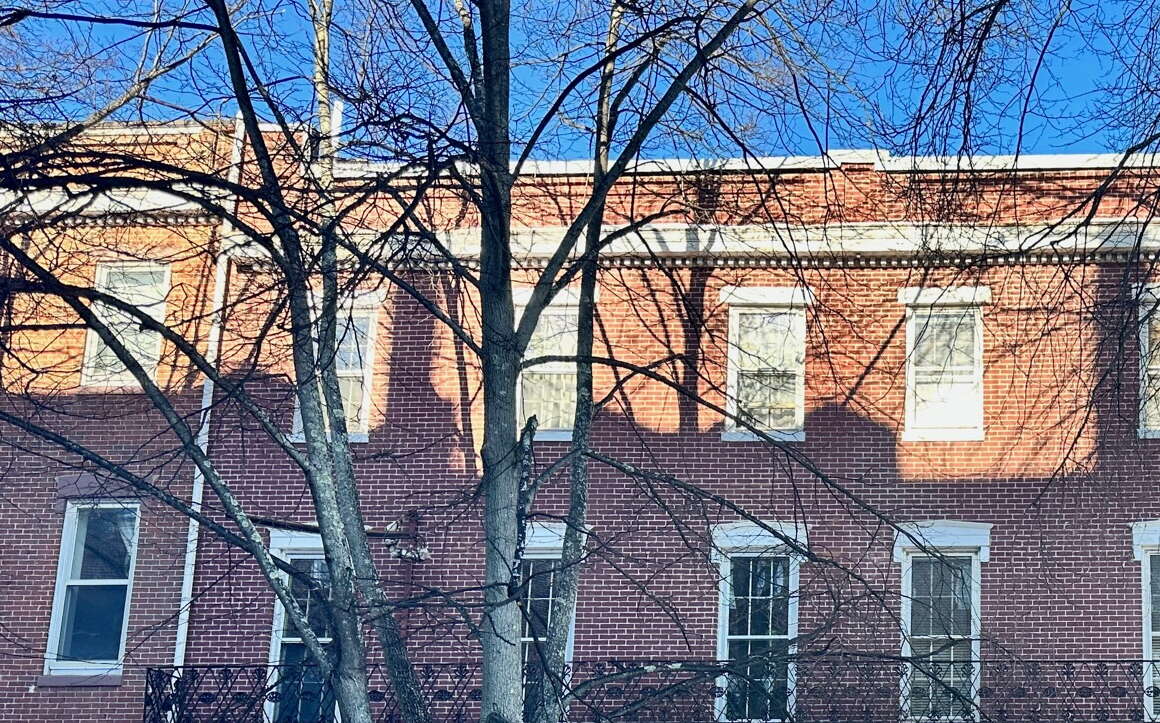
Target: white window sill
76, 679
554, 435
354, 437
943, 435
110, 387
1145, 433
780, 435
79, 672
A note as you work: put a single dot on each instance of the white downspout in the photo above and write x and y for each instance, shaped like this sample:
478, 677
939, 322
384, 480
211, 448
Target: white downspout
213, 349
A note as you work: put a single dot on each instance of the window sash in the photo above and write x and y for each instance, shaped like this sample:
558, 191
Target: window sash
941, 394
355, 381
765, 376
1149, 393
302, 694
100, 365
63, 622
555, 335
943, 681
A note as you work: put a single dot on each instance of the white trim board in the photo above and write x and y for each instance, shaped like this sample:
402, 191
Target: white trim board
877, 238
748, 536
946, 296
766, 296
943, 536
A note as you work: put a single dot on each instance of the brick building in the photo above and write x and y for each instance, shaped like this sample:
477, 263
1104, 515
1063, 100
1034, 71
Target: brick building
953, 362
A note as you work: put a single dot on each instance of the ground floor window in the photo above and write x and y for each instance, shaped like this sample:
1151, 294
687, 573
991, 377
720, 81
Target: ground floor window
302, 694
1152, 630
941, 637
536, 602
757, 620
94, 580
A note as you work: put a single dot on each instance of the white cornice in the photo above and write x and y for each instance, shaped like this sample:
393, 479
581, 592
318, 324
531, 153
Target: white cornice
804, 242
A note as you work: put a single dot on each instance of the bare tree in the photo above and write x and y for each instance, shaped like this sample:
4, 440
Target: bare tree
440, 141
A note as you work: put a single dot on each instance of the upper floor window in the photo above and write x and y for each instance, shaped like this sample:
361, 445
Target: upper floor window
1150, 361
765, 384
353, 366
143, 285
548, 390
944, 363
94, 579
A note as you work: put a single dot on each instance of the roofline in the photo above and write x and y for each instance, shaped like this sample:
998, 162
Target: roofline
881, 161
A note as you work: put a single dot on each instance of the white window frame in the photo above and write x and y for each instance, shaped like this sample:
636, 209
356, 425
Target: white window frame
792, 300
545, 541
565, 300
1145, 544
1149, 298
748, 539
949, 538
289, 545
920, 302
92, 378
53, 666
364, 304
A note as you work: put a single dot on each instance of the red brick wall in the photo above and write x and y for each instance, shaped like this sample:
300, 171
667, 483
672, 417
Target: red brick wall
1060, 474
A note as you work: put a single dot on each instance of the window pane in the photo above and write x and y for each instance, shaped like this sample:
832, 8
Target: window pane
144, 288
550, 396
555, 333
768, 400
352, 347
352, 390
942, 679
538, 595
94, 616
104, 544
303, 696
1154, 584
313, 603
945, 340
945, 403
769, 340
1154, 338
757, 689
1151, 400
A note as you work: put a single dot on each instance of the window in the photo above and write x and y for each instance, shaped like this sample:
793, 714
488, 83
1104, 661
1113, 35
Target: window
758, 620
536, 600
940, 617
766, 361
354, 367
548, 390
303, 696
94, 581
144, 286
940, 638
944, 370
1152, 628
1146, 549
758, 633
1150, 362
543, 546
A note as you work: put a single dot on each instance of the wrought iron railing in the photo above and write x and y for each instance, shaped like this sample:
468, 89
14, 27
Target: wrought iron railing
828, 688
